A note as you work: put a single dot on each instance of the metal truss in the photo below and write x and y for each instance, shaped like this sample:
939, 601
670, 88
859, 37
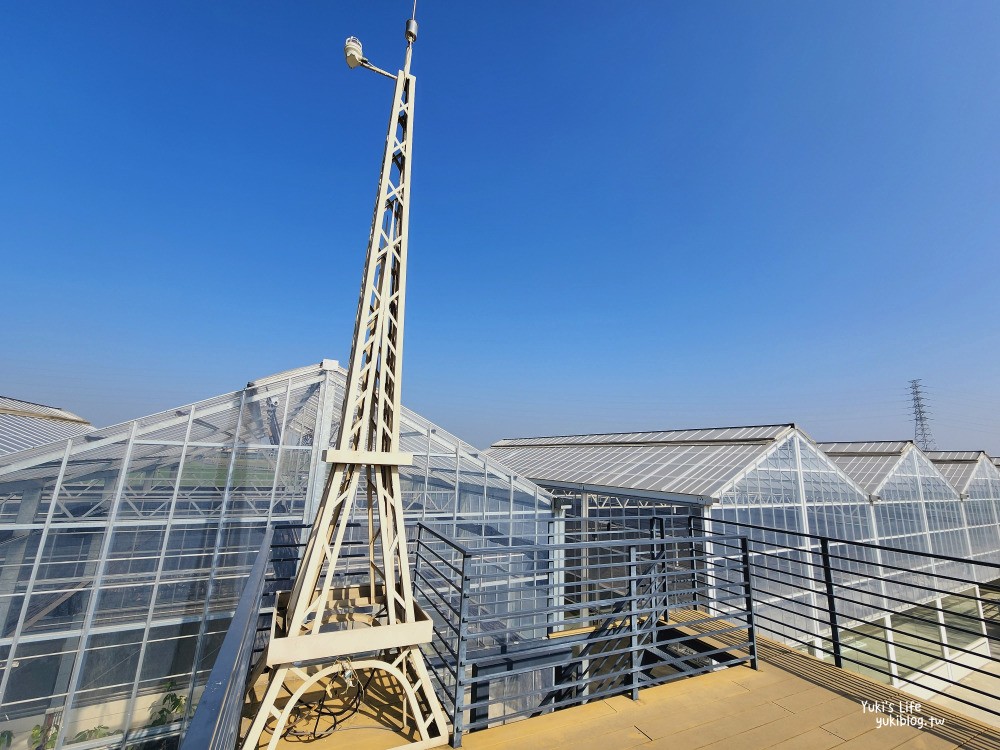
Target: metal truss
373, 617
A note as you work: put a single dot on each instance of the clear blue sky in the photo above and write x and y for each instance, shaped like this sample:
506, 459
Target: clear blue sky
637, 215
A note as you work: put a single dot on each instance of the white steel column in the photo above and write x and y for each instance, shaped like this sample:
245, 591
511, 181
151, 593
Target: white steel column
29, 590
95, 591
158, 577
213, 569
810, 552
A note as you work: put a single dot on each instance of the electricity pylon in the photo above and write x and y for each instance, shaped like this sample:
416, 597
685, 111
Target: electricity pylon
376, 623
921, 418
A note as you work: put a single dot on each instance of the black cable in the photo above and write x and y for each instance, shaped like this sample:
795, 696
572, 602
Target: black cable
320, 711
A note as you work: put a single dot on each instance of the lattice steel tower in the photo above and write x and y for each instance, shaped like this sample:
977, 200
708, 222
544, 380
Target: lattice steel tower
921, 418
331, 627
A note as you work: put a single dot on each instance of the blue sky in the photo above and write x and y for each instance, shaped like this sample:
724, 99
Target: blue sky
625, 215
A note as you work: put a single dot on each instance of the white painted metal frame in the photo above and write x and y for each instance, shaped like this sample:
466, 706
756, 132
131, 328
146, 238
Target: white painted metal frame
324, 620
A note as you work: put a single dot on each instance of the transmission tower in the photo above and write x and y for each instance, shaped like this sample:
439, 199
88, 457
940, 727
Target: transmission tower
333, 629
921, 418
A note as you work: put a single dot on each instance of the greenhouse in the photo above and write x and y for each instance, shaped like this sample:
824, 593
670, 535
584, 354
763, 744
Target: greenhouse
770, 475
977, 480
777, 478
124, 549
916, 508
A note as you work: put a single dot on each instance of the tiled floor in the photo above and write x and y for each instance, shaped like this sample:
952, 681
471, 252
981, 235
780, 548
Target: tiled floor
793, 702
735, 709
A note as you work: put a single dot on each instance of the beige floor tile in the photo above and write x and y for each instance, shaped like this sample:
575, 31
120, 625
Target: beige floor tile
624, 738
766, 675
778, 690
802, 699
786, 730
928, 741
880, 738
814, 739
583, 733
850, 726
829, 711
718, 730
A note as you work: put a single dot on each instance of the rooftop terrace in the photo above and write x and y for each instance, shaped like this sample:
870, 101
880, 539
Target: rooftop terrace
792, 702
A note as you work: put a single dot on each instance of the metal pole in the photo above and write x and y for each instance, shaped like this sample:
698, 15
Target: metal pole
748, 600
831, 602
459, 697
633, 573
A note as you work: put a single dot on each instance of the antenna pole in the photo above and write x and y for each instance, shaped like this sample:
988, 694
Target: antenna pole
338, 624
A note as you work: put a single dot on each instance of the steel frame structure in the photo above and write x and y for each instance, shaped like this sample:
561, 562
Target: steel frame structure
325, 618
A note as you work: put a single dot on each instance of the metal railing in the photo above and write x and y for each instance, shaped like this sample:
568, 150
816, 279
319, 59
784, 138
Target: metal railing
526, 630
531, 628
216, 721
917, 621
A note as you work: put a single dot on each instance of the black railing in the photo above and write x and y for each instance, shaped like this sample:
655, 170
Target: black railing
525, 630
917, 621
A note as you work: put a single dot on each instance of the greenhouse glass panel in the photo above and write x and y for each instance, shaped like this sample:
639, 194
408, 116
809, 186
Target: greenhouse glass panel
981, 493
946, 524
963, 626
163, 517
865, 651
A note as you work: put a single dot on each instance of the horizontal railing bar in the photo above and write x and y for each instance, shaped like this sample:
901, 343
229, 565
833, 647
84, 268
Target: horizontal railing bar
602, 596
574, 700
821, 636
877, 594
610, 545
881, 609
593, 624
559, 646
848, 542
599, 657
447, 540
896, 644
604, 603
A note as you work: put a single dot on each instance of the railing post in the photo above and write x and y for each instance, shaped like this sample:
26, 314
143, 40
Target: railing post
748, 600
460, 682
416, 553
634, 657
831, 602
657, 528
696, 561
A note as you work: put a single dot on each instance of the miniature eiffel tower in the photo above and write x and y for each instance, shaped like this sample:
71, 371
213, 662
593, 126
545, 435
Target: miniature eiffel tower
327, 630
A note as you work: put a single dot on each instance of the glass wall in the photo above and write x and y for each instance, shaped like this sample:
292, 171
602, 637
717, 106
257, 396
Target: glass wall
123, 551
917, 509
797, 488
982, 511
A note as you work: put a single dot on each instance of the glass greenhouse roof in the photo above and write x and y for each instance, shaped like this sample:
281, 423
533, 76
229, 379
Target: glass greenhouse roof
24, 425
960, 467
869, 464
701, 463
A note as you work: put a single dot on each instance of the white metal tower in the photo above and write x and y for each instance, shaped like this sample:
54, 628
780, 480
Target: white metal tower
328, 630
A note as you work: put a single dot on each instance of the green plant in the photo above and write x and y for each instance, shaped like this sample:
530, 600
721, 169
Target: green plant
6, 739
44, 737
101, 730
170, 707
